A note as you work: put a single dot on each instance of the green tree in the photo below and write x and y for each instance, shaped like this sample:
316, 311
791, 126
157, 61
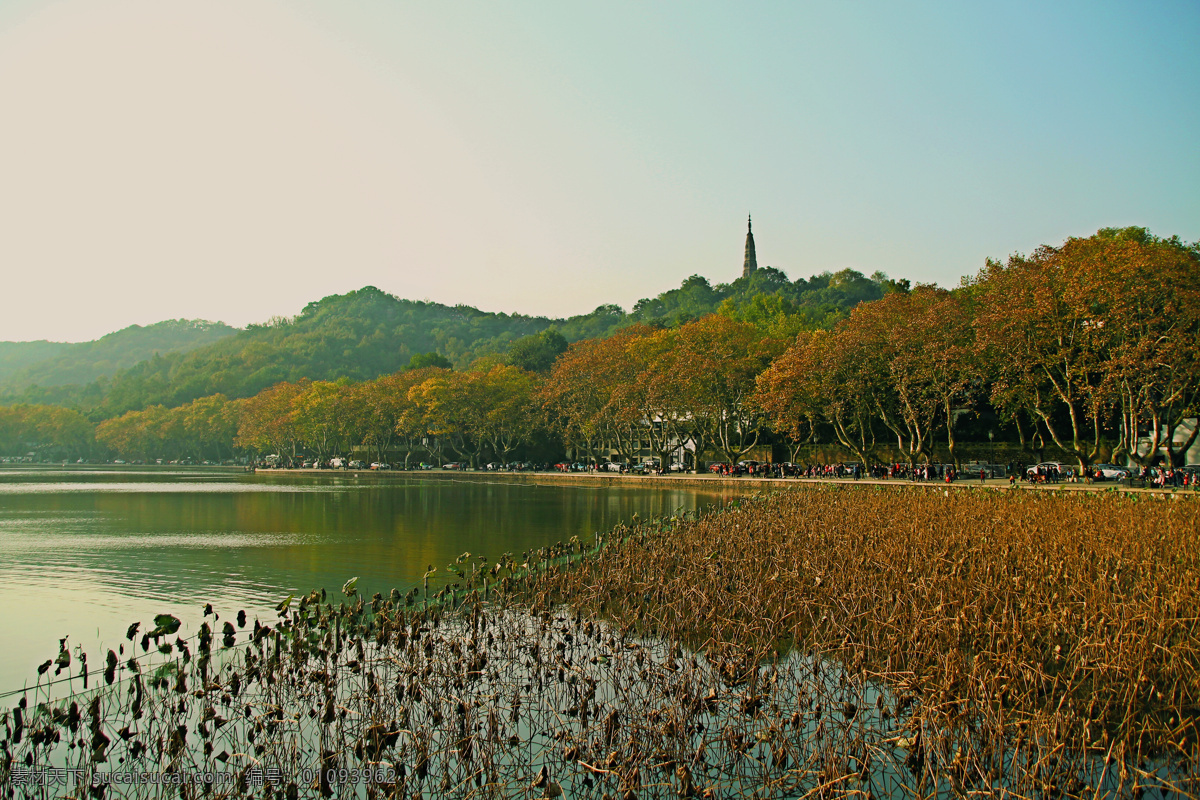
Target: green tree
423, 360
537, 353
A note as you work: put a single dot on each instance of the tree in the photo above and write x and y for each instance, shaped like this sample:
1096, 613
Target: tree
914, 352
267, 423
1151, 293
716, 362
1077, 331
380, 407
510, 417
453, 409
818, 379
537, 353
489, 407
583, 397
209, 425
425, 360
51, 431
323, 417
144, 434
787, 396
1046, 345
657, 397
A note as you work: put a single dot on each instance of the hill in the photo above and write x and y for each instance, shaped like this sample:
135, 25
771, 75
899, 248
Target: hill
17, 356
358, 335
44, 366
367, 333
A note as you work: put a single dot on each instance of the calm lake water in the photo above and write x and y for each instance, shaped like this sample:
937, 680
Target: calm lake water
85, 552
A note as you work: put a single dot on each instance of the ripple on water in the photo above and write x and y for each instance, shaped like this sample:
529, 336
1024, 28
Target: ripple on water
85, 541
164, 488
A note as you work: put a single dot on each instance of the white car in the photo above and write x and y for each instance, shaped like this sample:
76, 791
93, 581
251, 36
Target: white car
1047, 468
1111, 471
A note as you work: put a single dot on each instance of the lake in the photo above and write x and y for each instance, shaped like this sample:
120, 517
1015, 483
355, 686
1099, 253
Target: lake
84, 552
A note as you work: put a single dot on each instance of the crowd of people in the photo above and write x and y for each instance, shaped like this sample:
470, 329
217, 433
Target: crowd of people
1043, 473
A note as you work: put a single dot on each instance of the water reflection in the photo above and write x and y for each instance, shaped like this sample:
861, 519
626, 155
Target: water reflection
85, 552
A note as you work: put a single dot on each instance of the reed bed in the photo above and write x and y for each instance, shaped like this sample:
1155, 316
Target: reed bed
818, 642
1037, 643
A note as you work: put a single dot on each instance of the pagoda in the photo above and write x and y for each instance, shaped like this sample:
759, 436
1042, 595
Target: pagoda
751, 262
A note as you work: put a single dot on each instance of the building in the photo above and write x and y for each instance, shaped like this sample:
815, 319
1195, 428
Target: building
751, 261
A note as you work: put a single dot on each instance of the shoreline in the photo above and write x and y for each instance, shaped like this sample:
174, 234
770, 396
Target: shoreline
722, 482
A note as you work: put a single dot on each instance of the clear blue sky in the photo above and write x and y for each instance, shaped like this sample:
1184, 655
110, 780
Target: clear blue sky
235, 159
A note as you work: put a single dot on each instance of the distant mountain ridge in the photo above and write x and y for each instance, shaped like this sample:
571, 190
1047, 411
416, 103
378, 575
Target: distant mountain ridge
49, 364
366, 333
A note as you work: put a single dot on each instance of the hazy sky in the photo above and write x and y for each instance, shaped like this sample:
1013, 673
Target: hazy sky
236, 159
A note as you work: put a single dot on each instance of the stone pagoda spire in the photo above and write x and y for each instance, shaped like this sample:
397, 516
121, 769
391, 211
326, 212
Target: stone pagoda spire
751, 262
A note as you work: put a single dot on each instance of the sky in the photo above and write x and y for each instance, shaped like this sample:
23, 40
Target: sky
235, 160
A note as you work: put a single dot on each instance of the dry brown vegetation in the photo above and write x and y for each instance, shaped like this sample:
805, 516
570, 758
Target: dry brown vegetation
1025, 634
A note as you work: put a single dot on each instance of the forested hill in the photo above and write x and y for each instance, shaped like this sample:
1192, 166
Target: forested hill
54, 364
358, 335
363, 334
17, 356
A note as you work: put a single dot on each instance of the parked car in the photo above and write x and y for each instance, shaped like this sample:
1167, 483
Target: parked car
357, 465
452, 465
1046, 467
380, 465
1111, 471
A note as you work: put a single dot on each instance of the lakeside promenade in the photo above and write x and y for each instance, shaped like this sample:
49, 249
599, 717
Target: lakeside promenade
723, 482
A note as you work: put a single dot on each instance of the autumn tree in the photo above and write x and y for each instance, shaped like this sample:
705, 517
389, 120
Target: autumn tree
1075, 332
819, 378
1150, 291
386, 419
716, 361
209, 425
657, 397
49, 430
914, 351
267, 423
789, 393
324, 417
452, 407
145, 435
585, 397
511, 417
